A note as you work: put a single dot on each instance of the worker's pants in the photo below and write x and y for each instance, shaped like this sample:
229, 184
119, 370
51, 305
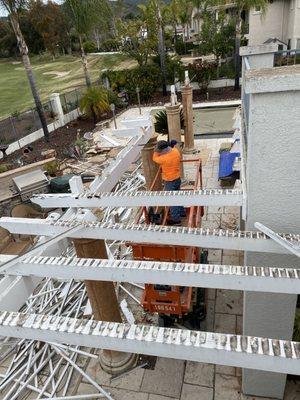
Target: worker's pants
176, 212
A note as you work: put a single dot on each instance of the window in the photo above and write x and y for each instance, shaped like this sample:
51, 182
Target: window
289, 44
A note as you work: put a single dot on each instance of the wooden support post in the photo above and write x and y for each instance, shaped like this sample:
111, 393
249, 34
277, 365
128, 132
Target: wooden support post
187, 103
150, 168
174, 126
104, 305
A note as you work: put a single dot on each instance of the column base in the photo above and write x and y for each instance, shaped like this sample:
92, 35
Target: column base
187, 150
115, 362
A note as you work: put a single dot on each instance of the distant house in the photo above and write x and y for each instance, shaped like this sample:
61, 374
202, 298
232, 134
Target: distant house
280, 24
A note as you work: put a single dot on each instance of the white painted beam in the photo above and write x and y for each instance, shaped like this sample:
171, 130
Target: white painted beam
291, 247
216, 348
178, 236
185, 198
111, 175
259, 279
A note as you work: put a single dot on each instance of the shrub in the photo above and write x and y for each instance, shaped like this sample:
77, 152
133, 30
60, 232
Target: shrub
110, 45
52, 168
94, 102
182, 48
147, 78
89, 47
161, 122
175, 68
203, 72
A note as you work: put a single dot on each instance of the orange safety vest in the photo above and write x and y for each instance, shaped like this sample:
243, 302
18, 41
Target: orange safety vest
170, 164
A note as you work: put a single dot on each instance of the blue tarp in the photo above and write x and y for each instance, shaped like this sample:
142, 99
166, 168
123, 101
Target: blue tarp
226, 164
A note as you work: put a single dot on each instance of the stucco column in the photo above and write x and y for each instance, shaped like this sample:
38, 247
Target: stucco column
174, 126
187, 103
150, 168
57, 107
273, 144
104, 305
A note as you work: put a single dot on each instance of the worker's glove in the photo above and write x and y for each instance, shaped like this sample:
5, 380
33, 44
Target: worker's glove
173, 143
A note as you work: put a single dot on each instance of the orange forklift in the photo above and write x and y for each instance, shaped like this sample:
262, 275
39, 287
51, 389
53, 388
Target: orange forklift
175, 305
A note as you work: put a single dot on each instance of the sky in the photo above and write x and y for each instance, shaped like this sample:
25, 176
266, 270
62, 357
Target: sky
3, 13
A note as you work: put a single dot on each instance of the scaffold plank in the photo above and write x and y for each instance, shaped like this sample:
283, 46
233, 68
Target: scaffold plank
167, 235
260, 279
186, 198
218, 348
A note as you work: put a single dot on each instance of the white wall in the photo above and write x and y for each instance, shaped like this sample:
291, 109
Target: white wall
271, 25
273, 193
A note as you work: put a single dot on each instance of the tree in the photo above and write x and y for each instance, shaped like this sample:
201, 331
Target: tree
216, 36
156, 9
94, 102
13, 7
172, 11
50, 23
240, 6
84, 15
185, 11
137, 40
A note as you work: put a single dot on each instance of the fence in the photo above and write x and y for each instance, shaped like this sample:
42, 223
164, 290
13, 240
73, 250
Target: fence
19, 125
286, 57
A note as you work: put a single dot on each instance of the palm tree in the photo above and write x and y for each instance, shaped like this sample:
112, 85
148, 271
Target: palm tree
13, 7
172, 11
152, 16
185, 12
240, 6
84, 15
94, 102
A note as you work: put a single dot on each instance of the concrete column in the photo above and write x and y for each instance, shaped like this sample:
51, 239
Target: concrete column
57, 108
174, 126
272, 193
187, 103
104, 304
150, 168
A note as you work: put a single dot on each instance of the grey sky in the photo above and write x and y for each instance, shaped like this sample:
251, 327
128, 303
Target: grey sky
2, 12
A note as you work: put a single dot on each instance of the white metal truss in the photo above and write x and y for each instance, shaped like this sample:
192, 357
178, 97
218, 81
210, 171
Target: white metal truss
186, 198
178, 236
260, 279
291, 247
110, 176
239, 351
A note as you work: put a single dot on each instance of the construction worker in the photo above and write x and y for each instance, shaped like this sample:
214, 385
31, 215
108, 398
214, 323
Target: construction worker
168, 157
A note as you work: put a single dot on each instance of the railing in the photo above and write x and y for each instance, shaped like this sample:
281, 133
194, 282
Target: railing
286, 57
19, 125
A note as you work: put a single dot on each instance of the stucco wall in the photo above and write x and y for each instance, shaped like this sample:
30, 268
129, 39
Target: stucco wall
273, 193
262, 27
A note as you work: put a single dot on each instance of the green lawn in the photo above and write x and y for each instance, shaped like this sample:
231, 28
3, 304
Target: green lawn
15, 94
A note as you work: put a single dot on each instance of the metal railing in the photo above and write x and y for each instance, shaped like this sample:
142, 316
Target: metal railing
286, 57
19, 125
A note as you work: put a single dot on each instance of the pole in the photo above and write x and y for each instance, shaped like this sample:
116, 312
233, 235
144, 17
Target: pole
104, 305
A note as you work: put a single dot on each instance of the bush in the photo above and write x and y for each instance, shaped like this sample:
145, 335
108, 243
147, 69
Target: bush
89, 47
175, 68
110, 45
161, 122
52, 168
203, 71
147, 78
182, 48
94, 102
